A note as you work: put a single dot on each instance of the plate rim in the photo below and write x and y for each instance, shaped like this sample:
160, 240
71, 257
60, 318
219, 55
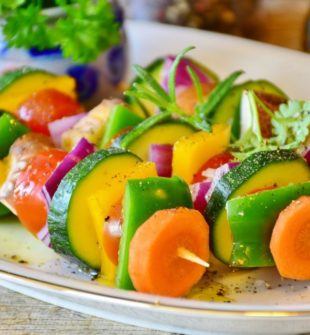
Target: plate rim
16, 275
29, 277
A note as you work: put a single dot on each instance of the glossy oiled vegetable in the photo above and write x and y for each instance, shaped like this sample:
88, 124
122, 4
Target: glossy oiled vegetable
290, 240
251, 232
45, 106
154, 263
90, 127
120, 118
143, 197
28, 200
17, 85
10, 130
260, 170
190, 152
101, 204
69, 219
167, 132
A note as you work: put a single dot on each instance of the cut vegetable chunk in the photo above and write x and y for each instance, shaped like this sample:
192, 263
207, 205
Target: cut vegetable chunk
10, 130
69, 219
120, 118
252, 232
154, 264
260, 170
107, 200
143, 197
290, 240
192, 151
17, 85
167, 132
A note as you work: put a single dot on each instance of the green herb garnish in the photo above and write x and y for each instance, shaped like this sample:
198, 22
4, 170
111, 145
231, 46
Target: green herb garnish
84, 30
166, 101
290, 128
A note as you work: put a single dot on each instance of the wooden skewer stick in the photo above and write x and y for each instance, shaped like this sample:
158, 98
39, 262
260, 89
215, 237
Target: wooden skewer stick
189, 256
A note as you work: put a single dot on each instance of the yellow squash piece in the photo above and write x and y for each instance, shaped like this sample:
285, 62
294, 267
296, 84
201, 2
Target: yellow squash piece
101, 202
12, 95
192, 151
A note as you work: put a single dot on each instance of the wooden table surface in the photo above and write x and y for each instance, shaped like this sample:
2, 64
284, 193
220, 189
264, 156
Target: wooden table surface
21, 315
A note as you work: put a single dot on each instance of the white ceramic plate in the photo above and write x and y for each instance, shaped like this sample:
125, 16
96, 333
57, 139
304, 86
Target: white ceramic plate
256, 301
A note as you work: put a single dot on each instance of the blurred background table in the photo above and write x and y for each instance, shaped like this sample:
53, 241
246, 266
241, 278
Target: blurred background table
281, 22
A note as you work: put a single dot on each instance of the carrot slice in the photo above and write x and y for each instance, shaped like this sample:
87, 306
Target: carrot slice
290, 240
154, 264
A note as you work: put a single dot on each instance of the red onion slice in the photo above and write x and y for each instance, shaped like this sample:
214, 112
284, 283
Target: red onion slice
161, 155
80, 151
199, 200
182, 77
58, 127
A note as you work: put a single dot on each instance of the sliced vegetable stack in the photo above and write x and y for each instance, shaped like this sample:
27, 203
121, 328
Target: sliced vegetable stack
141, 190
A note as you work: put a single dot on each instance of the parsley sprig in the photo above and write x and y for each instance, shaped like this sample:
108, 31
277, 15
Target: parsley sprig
85, 29
149, 89
290, 128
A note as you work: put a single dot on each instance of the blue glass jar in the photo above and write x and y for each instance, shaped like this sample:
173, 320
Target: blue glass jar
95, 80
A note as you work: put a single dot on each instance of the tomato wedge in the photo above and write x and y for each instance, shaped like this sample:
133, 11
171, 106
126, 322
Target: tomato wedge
28, 200
46, 106
213, 163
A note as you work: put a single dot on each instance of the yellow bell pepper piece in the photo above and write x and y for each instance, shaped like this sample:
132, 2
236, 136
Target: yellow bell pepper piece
192, 151
100, 205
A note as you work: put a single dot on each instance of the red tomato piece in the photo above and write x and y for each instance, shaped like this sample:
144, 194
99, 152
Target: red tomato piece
213, 163
46, 106
28, 199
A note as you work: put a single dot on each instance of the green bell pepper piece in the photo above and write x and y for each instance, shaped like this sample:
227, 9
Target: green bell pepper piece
3, 210
252, 218
10, 130
119, 119
142, 198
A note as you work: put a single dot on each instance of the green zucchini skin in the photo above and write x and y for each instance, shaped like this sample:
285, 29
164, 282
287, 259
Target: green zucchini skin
252, 218
228, 186
60, 204
166, 130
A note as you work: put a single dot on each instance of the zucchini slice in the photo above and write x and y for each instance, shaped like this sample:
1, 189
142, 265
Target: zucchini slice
166, 132
261, 170
69, 218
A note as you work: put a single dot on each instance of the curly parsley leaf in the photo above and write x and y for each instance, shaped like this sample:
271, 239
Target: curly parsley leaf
85, 30
290, 128
27, 26
291, 124
152, 91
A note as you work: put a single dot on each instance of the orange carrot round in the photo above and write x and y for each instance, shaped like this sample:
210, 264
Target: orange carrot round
154, 264
290, 241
